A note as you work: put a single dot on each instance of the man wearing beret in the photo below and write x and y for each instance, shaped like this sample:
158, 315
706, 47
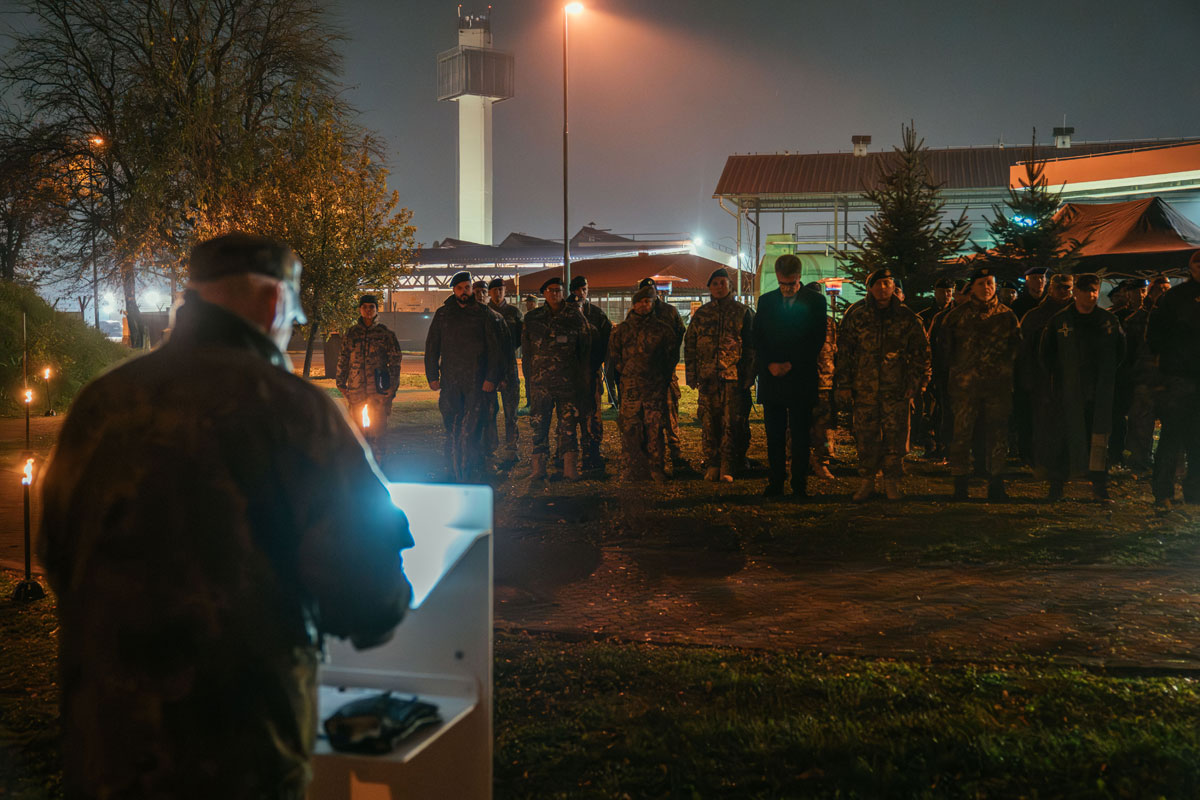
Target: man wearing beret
643, 354
1031, 295
368, 372
1031, 377
510, 387
980, 339
1080, 349
718, 359
555, 348
590, 425
1172, 333
464, 362
883, 365
941, 418
208, 517
670, 315
789, 332
1133, 318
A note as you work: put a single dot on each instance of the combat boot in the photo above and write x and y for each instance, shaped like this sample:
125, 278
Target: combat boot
726, 473
1056, 491
712, 474
866, 488
538, 469
891, 487
570, 468
657, 475
961, 484
996, 493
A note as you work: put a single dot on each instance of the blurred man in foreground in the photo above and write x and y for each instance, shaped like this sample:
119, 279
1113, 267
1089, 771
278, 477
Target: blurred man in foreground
209, 517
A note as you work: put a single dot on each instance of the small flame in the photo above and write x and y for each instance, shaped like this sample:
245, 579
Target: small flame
46, 374
366, 418
29, 395
27, 478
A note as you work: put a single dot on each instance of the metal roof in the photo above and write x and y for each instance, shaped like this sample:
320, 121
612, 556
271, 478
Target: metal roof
958, 168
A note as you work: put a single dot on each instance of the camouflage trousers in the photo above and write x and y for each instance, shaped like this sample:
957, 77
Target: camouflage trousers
465, 412
542, 406
1179, 438
1139, 438
822, 428
988, 413
643, 421
720, 412
374, 425
507, 398
672, 427
881, 427
591, 427
743, 437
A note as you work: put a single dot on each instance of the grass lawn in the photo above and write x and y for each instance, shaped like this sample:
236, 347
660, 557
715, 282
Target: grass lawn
610, 720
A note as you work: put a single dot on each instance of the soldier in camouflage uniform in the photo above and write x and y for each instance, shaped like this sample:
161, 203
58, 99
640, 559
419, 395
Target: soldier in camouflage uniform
464, 362
670, 315
208, 517
368, 372
510, 387
1031, 376
883, 366
555, 347
823, 421
942, 417
719, 364
642, 355
590, 424
980, 339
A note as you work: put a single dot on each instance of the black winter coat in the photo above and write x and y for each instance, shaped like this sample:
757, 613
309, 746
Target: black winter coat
464, 347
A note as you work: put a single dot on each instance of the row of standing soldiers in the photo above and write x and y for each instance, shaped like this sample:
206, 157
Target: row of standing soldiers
1068, 374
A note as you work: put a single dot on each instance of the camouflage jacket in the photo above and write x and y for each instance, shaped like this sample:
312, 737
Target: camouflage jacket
670, 315
464, 346
980, 342
513, 322
642, 355
882, 352
555, 348
827, 358
366, 350
719, 344
208, 516
601, 331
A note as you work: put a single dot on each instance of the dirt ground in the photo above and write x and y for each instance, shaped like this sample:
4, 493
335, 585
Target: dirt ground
697, 563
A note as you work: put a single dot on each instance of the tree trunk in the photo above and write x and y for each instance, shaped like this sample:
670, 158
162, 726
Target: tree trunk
308, 347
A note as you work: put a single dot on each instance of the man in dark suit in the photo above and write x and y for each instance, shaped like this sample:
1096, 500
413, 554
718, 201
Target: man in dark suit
789, 331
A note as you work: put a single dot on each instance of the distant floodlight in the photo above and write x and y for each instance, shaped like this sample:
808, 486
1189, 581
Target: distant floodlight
574, 8
698, 241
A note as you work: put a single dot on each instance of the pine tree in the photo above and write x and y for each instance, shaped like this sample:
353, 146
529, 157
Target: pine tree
1028, 235
908, 233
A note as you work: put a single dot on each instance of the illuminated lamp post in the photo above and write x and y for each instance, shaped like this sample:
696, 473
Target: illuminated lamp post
28, 589
94, 141
568, 10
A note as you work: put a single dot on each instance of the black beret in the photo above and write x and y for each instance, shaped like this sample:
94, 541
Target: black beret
577, 281
944, 283
879, 275
556, 281
1161, 279
459, 277
718, 273
1120, 287
497, 283
982, 272
240, 254
645, 282
1035, 271
479, 285
960, 286
815, 286
1008, 285
368, 298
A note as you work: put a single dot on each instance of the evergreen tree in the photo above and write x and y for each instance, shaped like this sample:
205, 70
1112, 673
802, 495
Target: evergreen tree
908, 233
1028, 235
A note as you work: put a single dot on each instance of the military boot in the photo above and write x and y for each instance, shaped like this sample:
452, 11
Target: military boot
1056, 491
570, 468
996, 492
538, 469
712, 474
961, 484
866, 488
891, 488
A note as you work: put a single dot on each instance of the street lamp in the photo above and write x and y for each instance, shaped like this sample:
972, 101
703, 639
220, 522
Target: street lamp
97, 142
568, 10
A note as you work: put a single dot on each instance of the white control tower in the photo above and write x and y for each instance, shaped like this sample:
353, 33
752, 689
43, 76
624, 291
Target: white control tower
475, 76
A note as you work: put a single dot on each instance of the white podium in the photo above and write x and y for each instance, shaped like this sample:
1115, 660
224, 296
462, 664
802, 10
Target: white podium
441, 652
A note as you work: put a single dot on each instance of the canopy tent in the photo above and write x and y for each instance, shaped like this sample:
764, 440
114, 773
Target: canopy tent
1139, 237
687, 274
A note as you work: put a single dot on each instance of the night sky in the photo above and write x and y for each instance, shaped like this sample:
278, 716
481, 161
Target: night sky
663, 90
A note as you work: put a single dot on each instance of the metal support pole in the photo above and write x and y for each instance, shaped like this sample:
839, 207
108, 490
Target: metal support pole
28, 589
566, 229
738, 290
